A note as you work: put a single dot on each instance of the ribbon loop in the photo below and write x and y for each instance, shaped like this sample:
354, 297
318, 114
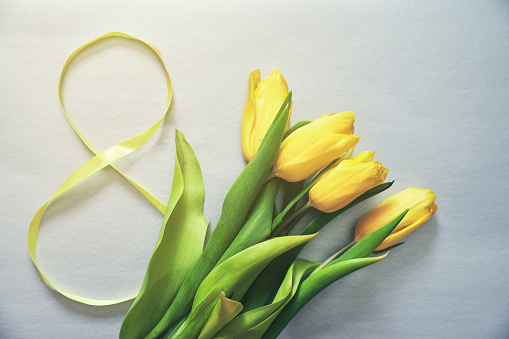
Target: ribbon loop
98, 162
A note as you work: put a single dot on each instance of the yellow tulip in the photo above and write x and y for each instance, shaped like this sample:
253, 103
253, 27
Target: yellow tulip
345, 181
263, 103
421, 204
315, 145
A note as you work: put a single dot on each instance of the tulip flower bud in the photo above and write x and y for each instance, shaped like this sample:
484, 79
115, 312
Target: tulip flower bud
421, 205
315, 145
263, 103
345, 181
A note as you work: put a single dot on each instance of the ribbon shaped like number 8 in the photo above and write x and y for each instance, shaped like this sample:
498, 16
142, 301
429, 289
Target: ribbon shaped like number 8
98, 162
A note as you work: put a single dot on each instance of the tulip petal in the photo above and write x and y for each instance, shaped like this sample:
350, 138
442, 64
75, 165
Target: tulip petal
344, 183
394, 238
248, 119
295, 127
300, 164
421, 204
314, 145
366, 156
268, 98
341, 123
316, 224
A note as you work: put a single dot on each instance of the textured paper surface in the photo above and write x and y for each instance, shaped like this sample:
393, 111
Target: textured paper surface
428, 81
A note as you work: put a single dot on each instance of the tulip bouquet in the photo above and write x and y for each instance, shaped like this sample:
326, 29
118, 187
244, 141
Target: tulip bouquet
248, 282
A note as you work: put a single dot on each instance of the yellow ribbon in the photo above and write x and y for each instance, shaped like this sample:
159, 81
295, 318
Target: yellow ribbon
98, 162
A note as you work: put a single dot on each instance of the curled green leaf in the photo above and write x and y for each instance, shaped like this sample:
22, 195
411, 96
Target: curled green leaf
178, 246
254, 323
224, 311
232, 273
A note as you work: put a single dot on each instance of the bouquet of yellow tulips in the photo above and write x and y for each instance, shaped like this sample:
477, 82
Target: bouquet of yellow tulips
247, 281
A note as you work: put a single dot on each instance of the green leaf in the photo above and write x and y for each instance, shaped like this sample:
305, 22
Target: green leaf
295, 127
236, 205
258, 224
352, 260
232, 273
313, 285
178, 246
254, 323
367, 245
388, 248
224, 311
265, 285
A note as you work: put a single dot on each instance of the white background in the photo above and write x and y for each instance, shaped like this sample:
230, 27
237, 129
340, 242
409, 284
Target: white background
428, 81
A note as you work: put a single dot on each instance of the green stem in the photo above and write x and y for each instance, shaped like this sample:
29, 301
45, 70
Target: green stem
334, 256
270, 176
292, 190
295, 216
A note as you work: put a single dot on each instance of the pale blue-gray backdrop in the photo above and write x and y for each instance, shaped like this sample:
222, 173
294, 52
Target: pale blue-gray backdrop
428, 81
